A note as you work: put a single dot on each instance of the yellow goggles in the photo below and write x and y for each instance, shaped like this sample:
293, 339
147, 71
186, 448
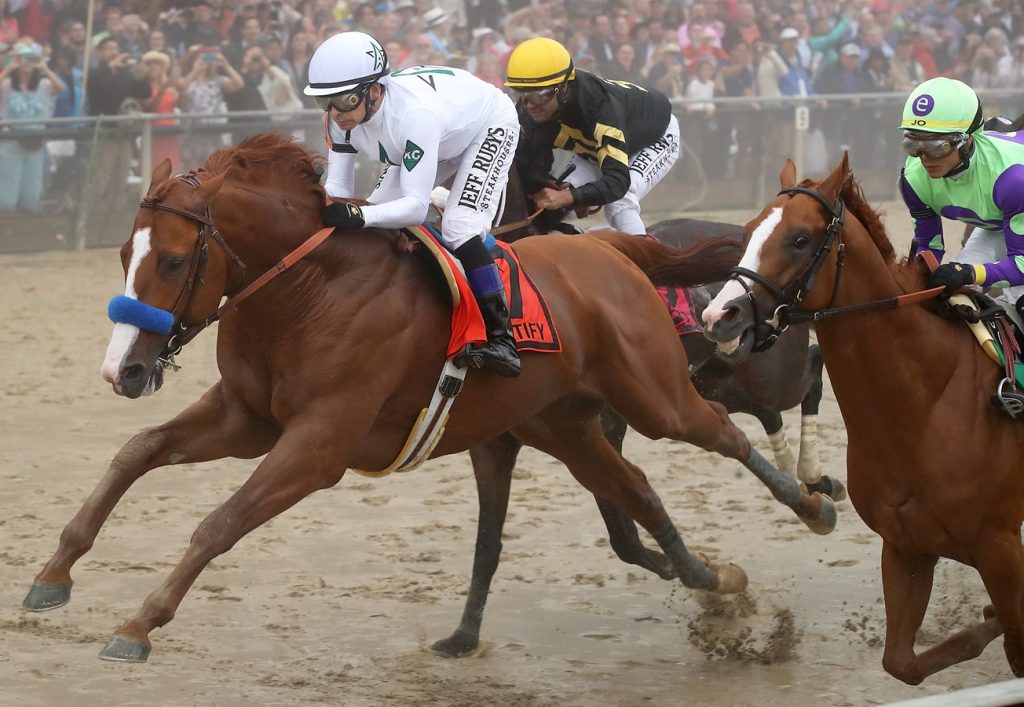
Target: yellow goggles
936, 148
342, 102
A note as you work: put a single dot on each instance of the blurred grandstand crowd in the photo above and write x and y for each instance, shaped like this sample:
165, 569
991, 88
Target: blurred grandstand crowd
211, 56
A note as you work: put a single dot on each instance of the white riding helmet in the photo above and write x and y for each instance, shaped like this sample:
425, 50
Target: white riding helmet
345, 62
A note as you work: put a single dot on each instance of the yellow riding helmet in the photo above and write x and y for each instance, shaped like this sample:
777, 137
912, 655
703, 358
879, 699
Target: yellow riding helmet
539, 62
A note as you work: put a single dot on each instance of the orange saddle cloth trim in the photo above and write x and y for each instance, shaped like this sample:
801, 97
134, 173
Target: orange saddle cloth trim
532, 326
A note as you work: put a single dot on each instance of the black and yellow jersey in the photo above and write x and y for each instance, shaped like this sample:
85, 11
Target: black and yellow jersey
601, 120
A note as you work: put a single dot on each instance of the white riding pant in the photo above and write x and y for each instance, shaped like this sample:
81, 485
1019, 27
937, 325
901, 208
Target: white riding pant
647, 167
477, 197
988, 247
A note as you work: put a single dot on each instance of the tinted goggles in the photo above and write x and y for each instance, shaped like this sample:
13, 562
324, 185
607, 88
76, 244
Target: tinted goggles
536, 97
342, 102
936, 148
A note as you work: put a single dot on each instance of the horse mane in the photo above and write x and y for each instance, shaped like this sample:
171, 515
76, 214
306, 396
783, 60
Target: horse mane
857, 204
906, 272
264, 159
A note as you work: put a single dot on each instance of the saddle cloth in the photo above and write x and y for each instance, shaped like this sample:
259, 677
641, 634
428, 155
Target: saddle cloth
680, 305
532, 325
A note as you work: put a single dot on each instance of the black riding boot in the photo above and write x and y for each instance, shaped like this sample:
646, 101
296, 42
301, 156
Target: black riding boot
499, 354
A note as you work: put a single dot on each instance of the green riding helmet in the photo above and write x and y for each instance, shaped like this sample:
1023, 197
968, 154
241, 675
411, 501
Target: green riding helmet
942, 105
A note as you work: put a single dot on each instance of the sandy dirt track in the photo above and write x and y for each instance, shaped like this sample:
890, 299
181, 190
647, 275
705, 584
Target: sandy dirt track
336, 601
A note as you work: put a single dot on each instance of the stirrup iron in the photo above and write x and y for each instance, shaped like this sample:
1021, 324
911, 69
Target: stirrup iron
1009, 399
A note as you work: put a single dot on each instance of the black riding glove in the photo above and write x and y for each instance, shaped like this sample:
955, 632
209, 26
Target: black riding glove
952, 276
346, 217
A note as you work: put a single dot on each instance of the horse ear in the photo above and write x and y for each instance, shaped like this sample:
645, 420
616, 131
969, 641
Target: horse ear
787, 178
208, 189
833, 185
160, 175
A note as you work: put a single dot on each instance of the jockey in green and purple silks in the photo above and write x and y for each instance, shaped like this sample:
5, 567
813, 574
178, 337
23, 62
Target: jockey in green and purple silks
956, 171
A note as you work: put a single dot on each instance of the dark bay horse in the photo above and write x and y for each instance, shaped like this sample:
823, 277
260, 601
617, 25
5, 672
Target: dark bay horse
306, 380
932, 467
764, 386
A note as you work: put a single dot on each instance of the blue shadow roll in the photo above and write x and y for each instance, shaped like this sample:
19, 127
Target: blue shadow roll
126, 310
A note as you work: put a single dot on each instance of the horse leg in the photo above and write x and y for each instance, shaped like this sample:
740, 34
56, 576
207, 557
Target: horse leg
305, 459
907, 586
1000, 561
214, 427
593, 461
656, 409
493, 462
622, 534
809, 466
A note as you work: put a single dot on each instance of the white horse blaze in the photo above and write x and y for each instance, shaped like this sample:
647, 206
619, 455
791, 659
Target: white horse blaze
124, 335
751, 261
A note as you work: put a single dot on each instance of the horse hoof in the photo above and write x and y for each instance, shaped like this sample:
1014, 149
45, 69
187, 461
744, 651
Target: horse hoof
825, 521
833, 488
731, 578
458, 645
44, 596
122, 649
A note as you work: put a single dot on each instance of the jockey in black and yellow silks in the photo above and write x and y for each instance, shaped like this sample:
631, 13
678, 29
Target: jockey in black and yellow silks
624, 137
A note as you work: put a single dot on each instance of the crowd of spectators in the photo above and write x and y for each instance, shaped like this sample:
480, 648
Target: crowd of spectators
212, 56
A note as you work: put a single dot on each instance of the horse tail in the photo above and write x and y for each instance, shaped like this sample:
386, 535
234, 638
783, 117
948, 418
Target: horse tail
710, 260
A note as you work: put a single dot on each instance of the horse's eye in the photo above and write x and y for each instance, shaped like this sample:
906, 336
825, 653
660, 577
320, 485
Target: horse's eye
174, 263
801, 241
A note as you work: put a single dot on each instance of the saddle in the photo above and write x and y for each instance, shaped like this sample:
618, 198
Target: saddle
1001, 342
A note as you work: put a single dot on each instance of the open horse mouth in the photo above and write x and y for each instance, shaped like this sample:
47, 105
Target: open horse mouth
731, 328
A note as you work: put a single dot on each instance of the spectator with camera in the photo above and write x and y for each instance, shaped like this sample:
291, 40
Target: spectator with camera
114, 80
27, 86
209, 79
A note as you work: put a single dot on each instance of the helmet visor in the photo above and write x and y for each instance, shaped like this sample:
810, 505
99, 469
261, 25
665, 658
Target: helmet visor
934, 147
536, 97
342, 102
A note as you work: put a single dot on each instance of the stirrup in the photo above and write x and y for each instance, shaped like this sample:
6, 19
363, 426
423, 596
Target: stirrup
1008, 399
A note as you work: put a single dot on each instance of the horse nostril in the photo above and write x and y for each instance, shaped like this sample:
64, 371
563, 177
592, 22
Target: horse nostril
730, 313
133, 373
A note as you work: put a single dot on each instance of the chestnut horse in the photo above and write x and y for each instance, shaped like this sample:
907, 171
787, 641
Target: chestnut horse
932, 467
304, 380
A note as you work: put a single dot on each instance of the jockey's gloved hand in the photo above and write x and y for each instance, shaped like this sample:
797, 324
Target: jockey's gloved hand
952, 276
343, 216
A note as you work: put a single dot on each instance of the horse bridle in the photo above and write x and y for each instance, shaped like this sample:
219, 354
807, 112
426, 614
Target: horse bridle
768, 329
182, 333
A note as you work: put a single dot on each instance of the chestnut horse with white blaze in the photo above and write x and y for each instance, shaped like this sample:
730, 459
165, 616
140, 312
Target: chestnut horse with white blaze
932, 467
305, 379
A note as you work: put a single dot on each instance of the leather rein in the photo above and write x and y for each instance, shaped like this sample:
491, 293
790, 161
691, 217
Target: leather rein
184, 333
793, 293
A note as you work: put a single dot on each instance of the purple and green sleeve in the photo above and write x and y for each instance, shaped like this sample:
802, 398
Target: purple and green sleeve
927, 223
1008, 195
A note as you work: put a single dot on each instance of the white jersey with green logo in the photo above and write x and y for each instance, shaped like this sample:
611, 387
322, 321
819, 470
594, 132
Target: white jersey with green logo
432, 123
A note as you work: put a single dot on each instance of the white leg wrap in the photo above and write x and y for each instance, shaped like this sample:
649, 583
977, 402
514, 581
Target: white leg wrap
809, 468
784, 458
